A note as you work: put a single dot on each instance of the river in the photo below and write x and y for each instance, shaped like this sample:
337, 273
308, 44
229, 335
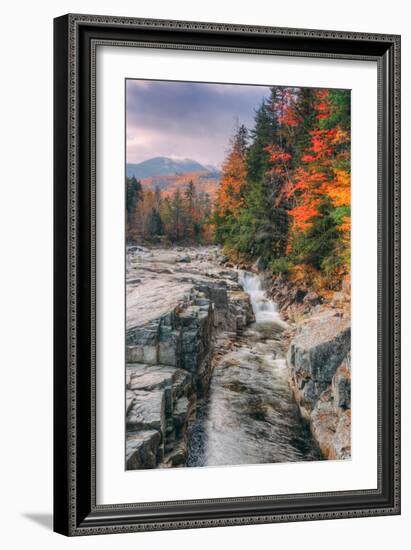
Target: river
188, 312
250, 415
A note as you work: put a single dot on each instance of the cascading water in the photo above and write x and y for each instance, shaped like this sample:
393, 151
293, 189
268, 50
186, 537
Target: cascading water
265, 310
250, 415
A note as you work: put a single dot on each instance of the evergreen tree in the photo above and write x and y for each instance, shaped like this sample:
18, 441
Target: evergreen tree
134, 196
176, 215
257, 223
190, 196
190, 214
155, 225
261, 136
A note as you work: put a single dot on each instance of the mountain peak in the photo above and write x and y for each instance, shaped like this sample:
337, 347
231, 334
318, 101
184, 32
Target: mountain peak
163, 166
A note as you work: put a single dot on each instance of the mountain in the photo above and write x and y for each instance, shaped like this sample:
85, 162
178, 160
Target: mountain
212, 169
165, 166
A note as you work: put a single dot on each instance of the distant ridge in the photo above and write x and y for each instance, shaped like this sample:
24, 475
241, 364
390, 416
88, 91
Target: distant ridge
165, 166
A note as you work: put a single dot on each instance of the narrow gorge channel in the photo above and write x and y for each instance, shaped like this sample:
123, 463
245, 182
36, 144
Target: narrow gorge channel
250, 415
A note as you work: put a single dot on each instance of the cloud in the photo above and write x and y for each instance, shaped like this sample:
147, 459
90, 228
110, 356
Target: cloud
186, 119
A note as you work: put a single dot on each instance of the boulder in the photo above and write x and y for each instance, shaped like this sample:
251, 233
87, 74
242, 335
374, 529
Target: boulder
314, 355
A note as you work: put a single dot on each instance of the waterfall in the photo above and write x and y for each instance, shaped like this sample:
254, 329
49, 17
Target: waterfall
265, 310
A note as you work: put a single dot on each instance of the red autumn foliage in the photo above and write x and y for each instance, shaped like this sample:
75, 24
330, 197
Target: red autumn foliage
321, 175
286, 107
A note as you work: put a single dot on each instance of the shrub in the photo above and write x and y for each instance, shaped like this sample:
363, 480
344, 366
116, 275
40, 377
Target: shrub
281, 266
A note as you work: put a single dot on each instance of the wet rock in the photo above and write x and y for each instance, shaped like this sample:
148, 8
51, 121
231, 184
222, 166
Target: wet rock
259, 265
182, 412
240, 311
182, 384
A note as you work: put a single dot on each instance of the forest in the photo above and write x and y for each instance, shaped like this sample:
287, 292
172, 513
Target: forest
284, 192
184, 216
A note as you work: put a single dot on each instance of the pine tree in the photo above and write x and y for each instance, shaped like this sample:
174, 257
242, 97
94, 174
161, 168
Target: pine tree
261, 136
190, 214
176, 215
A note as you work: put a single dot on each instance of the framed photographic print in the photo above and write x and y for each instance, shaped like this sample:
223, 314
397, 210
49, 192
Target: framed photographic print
227, 280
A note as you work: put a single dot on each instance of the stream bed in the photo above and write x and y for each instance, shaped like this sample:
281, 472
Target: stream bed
250, 415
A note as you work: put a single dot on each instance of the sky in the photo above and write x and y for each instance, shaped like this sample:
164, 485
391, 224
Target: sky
185, 119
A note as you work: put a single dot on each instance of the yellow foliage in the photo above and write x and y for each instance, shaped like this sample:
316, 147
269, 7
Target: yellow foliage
340, 191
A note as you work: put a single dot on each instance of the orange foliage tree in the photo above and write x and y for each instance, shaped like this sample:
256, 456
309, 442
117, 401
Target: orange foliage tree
321, 183
233, 175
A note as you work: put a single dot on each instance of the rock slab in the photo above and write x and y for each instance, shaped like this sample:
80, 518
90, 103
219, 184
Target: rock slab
319, 366
177, 306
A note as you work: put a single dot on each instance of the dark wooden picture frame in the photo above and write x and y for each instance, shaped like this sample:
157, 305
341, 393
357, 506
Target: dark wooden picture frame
76, 38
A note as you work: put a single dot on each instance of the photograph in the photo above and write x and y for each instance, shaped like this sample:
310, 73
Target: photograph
237, 274
227, 278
